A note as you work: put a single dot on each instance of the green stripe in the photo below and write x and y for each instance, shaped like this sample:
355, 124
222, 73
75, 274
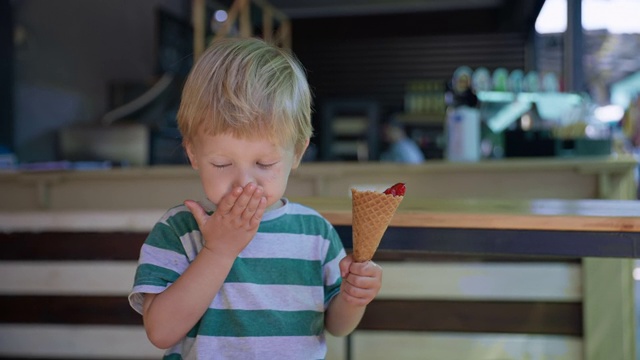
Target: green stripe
296, 224
194, 330
275, 271
183, 220
172, 357
147, 274
164, 237
241, 323
331, 290
334, 247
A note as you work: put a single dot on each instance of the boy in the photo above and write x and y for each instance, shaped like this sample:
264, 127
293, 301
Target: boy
246, 274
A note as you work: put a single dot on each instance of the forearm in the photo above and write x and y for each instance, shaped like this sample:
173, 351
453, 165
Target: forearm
342, 317
170, 315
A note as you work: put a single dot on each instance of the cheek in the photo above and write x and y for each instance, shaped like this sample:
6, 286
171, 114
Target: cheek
274, 183
215, 186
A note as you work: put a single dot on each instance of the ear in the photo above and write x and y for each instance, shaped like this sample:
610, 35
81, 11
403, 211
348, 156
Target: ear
188, 146
297, 157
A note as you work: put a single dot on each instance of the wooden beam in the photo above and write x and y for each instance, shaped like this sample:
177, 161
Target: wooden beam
198, 15
232, 14
285, 29
276, 13
524, 317
241, 10
267, 23
245, 18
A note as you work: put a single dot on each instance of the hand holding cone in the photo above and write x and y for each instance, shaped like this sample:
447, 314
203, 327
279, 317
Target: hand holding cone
372, 213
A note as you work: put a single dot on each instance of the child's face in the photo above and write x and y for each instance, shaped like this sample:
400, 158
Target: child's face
225, 162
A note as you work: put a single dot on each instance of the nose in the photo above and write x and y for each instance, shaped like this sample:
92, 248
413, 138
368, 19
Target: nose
243, 177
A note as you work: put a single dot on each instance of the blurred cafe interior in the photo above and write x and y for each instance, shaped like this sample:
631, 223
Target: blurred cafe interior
518, 236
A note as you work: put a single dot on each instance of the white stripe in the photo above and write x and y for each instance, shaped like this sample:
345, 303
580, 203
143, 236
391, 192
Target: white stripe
167, 259
482, 281
86, 342
299, 209
86, 220
384, 345
192, 243
458, 281
104, 220
271, 347
66, 278
76, 341
269, 297
298, 246
172, 212
136, 298
332, 277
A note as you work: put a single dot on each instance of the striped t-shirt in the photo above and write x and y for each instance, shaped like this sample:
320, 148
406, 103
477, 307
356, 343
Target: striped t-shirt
272, 303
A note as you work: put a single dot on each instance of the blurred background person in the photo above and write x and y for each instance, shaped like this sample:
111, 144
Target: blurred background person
401, 148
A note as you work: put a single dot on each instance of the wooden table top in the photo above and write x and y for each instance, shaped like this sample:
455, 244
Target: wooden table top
546, 228
549, 228
545, 214
564, 215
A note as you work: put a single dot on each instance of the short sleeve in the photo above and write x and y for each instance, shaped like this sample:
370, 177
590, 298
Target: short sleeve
162, 260
331, 266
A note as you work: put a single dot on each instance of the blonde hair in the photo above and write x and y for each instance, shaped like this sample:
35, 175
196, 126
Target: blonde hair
248, 88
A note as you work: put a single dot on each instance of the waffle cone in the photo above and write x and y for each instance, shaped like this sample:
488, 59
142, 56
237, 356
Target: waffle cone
372, 213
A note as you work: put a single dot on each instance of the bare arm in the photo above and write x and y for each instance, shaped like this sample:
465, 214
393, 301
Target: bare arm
170, 315
361, 283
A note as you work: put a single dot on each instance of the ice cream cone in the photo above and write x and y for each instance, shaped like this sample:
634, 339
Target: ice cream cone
372, 213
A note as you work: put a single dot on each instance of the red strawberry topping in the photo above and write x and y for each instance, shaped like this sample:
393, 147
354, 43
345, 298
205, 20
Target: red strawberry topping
396, 190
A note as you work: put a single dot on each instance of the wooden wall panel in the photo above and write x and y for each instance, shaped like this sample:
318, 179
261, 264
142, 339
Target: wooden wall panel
67, 295
403, 345
379, 69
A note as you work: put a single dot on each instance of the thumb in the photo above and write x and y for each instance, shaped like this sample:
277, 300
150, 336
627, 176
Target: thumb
198, 212
345, 265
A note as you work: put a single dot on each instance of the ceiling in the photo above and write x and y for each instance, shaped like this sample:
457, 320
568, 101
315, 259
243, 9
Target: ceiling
296, 9
511, 15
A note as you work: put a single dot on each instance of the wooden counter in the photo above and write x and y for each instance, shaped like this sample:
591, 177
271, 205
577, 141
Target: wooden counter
42, 249
576, 228
569, 228
67, 221
544, 214
166, 186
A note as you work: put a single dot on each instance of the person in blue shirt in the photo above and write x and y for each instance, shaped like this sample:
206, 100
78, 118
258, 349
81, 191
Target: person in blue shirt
402, 149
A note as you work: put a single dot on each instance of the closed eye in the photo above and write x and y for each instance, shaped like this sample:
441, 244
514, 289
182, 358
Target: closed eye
221, 166
266, 166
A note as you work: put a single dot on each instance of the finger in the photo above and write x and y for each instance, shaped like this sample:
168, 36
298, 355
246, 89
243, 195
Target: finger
257, 216
198, 212
355, 291
227, 202
252, 205
367, 293
362, 282
243, 199
369, 269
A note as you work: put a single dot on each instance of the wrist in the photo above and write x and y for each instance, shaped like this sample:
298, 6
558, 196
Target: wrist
217, 256
342, 298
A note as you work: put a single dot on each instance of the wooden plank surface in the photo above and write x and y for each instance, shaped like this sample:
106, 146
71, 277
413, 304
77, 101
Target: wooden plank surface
527, 317
563, 215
